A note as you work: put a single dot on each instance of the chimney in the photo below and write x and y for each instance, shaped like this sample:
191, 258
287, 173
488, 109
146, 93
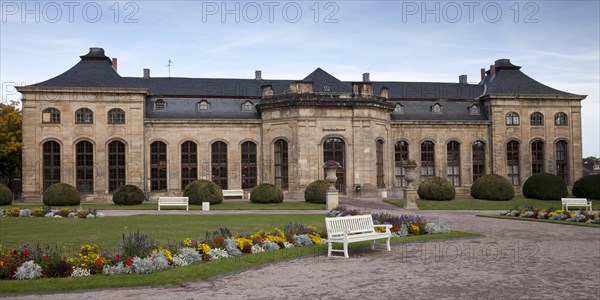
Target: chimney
482, 73
462, 79
258, 75
267, 90
114, 63
384, 92
146, 73
366, 77
492, 71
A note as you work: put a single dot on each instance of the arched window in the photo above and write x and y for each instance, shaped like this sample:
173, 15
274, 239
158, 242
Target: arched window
158, 166
335, 149
512, 162
427, 160
562, 160
399, 109
400, 155
537, 119
453, 162
560, 119
116, 165
116, 116
512, 119
84, 116
51, 115
249, 177
219, 164
379, 162
160, 105
51, 163
248, 106
189, 163
537, 157
474, 110
478, 159
84, 166
436, 108
281, 164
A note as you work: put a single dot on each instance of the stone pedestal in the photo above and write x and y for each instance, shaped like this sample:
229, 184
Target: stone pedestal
332, 200
410, 199
205, 206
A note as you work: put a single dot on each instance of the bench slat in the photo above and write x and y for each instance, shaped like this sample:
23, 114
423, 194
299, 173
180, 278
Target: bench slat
350, 229
173, 201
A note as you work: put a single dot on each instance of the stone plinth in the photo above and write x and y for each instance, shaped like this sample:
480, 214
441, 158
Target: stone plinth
332, 200
410, 199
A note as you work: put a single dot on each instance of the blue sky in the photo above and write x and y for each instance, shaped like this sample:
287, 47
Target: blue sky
556, 42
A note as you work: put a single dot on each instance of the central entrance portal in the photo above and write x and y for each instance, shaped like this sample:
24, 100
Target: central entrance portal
335, 149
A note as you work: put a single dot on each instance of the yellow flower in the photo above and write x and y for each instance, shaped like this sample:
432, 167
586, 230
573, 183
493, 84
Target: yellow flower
187, 242
572, 215
275, 239
279, 233
311, 228
243, 242
204, 248
165, 252
315, 238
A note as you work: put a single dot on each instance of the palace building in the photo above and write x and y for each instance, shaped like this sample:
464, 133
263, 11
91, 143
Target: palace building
96, 130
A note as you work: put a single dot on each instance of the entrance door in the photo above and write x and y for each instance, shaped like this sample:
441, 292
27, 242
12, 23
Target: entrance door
335, 149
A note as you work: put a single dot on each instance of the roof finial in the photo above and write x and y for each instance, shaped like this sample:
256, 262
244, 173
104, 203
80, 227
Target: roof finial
169, 65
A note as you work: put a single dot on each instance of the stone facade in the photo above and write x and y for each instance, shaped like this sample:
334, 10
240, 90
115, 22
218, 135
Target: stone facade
289, 127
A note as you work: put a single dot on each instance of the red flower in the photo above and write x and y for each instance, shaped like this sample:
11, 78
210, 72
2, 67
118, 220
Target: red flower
26, 252
117, 257
218, 240
44, 256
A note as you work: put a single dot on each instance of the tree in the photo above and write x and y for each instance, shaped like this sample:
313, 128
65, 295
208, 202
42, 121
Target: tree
591, 160
11, 139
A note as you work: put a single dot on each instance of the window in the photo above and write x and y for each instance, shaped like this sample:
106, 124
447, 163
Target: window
399, 109
248, 106
560, 119
427, 160
248, 165
158, 166
189, 163
51, 115
116, 165
203, 106
84, 166
512, 162
537, 157
474, 110
219, 164
335, 149
84, 116
281, 164
379, 162
116, 116
51, 163
537, 119
436, 108
453, 161
160, 105
400, 155
512, 118
562, 160
478, 159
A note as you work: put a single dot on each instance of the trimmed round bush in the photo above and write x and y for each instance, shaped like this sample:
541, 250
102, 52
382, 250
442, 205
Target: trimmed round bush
128, 195
266, 193
545, 186
61, 194
316, 191
6, 196
436, 188
492, 187
202, 190
587, 187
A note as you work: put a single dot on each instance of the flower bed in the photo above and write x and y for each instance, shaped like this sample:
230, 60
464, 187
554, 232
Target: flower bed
49, 212
403, 225
137, 254
554, 214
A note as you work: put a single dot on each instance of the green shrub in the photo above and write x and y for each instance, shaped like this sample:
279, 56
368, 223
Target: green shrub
436, 188
61, 194
316, 191
492, 187
202, 190
6, 196
587, 187
266, 193
128, 195
545, 186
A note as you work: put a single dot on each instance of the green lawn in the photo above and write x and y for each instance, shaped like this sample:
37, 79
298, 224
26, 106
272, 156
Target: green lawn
227, 205
540, 220
476, 204
396, 202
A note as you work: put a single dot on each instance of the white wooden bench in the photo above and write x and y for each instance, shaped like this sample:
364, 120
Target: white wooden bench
173, 201
233, 193
351, 229
579, 202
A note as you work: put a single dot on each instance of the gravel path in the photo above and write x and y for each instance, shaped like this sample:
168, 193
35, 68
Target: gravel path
515, 260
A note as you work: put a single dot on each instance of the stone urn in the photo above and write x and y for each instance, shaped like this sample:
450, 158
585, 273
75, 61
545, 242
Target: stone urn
331, 177
410, 194
409, 175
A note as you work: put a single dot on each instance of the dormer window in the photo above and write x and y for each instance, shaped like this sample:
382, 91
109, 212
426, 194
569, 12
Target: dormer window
160, 105
203, 106
436, 108
474, 110
248, 106
399, 109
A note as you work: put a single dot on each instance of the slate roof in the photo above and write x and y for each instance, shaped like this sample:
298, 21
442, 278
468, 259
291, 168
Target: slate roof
323, 82
185, 109
451, 111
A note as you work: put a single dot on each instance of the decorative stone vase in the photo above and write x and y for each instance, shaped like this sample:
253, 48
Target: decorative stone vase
331, 177
410, 175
